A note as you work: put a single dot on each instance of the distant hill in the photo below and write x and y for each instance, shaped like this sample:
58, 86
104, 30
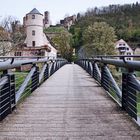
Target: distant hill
124, 18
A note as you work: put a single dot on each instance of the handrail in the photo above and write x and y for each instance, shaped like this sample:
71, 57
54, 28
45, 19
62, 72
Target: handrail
125, 87
28, 73
135, 65
18, 63
108, 56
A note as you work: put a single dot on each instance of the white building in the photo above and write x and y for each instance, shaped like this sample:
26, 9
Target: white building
36, 39
124, 49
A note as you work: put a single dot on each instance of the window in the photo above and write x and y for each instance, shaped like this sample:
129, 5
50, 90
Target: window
26, 17
17, 53
33, 16
33, 43
33, 32
128, 53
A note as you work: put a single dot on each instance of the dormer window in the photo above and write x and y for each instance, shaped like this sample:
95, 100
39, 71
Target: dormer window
33, 16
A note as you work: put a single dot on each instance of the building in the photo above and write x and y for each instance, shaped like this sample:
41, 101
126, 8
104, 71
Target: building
123, 49
36, 42
68, 21
46, 20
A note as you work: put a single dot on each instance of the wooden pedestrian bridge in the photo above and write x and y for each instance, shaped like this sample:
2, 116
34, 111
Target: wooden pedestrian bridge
91, 99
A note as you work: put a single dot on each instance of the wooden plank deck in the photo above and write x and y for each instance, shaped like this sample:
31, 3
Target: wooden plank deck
69, 106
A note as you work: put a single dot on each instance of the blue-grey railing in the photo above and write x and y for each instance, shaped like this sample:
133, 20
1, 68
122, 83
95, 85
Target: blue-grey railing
20, 76
126, 91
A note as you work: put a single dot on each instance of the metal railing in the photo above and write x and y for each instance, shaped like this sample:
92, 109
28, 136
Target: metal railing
124, 89
20, 76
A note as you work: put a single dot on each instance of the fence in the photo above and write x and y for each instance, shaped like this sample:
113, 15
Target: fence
126, 89
16, 84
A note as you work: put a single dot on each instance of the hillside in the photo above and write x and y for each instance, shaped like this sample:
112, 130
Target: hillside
125, 19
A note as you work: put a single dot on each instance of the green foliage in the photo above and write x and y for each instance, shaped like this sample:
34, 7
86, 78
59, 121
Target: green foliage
99, 39
77, 36
54, 29
123, 18
63, 42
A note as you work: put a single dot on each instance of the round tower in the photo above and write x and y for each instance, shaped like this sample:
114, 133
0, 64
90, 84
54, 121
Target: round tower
34, 28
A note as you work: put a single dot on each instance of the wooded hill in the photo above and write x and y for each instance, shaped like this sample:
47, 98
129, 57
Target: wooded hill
125, 19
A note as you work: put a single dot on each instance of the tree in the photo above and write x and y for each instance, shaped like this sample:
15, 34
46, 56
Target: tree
12, 34
63, 42
6, 23
17, 33
99, 39
5, 42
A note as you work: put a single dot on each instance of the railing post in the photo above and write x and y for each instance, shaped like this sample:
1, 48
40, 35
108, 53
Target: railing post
129, 93
59, 65
7, 95
103, 78
88, 66
35, 79
93, 69
52, 68
56, 68
46, 73
12, 91
124, 90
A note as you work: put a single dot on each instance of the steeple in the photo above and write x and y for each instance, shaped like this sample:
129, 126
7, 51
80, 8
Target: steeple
34, 11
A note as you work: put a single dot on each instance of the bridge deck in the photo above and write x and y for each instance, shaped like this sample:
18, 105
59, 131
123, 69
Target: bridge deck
69, 106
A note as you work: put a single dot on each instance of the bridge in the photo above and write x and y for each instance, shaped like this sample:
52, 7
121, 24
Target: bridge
54, 100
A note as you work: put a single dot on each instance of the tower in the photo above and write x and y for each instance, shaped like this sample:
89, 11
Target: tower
34, 29
36, 41
46, 19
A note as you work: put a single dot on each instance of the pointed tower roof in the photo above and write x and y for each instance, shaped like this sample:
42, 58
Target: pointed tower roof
34, 11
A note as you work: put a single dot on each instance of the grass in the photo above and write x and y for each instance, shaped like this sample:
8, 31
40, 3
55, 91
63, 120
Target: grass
138, 103
19, 79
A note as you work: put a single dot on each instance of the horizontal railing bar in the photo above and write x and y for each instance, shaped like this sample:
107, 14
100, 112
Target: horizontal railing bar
4, 100
107, 56
4, 111
18, 63
135, 65
1, 57
3, 81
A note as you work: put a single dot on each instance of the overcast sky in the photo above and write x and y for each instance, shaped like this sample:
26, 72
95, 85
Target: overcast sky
57, 8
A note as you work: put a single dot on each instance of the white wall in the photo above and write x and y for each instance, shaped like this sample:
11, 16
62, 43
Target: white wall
38, 38
37, 21
36, 25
